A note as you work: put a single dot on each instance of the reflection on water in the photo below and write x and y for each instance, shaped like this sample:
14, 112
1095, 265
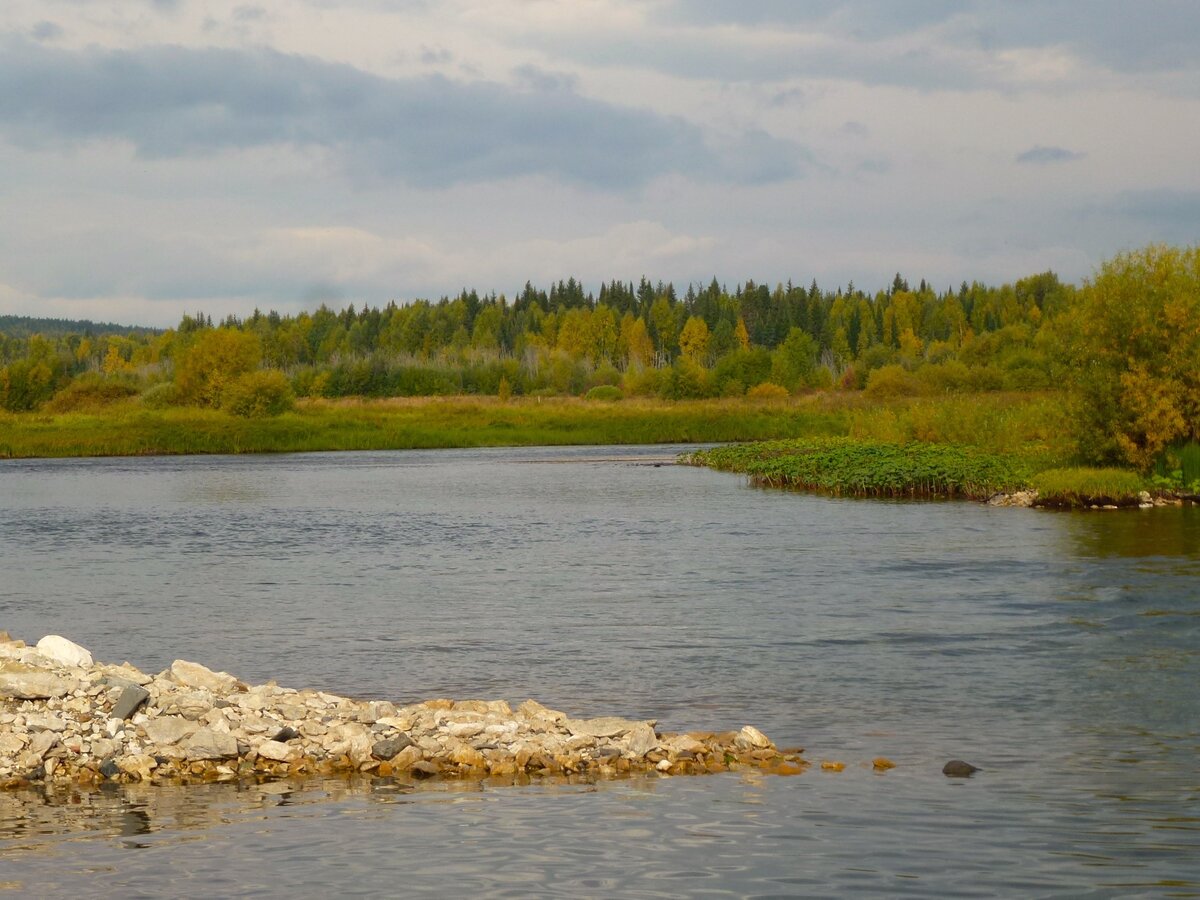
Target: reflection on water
1148, 534
1059, 651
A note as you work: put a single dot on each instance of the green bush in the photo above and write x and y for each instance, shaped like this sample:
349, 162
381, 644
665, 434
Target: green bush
259, 394
607, 392
893, 381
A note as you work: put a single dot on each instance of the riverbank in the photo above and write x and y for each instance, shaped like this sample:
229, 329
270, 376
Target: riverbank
843, 466
129, 429
67, 718
999, 421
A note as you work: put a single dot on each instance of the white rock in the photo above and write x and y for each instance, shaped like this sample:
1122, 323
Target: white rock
64, 652
750, 738
279, 751
198, 676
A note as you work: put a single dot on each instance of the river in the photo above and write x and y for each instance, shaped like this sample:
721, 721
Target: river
1060, 652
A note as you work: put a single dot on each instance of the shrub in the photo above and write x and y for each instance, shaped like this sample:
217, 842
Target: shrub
606, 392
257, 395
892, 381
767, 391
90, 391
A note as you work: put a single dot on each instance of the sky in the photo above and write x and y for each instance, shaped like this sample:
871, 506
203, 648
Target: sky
159, 157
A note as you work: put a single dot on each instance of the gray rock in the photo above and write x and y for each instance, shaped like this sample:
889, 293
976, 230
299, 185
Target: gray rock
44, 722
209, 744
35, 685
641, 740
388, 748
131, 698
606, 726
169, 729
41, 744
109, 768
12, 744
285, 734
956, 768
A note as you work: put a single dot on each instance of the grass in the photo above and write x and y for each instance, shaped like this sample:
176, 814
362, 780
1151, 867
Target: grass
868, 468
1078, 487
129, 429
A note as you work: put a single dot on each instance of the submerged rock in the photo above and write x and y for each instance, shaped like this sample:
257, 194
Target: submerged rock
956, 768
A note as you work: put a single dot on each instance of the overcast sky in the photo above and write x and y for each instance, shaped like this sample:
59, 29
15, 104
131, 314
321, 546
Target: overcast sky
163, 156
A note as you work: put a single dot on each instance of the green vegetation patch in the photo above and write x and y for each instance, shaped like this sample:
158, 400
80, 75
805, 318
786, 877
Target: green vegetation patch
1088, 487
861, 468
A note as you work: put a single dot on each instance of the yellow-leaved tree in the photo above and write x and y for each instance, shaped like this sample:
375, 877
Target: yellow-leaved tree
214, 361
1132, 348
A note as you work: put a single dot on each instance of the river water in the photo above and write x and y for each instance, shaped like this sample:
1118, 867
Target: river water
1060, 652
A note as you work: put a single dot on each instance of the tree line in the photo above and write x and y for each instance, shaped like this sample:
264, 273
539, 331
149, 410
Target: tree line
1127, 343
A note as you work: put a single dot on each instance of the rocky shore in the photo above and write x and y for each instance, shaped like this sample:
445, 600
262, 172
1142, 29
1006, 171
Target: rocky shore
67, 718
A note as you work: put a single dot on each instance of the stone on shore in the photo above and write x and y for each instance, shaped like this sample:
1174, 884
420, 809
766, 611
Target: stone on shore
197, 676
131, 698
27, 684
67, 653
63, 721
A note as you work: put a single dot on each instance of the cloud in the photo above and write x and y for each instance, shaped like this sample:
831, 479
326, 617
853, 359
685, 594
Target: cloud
1173, 209
872, 18
46, 31
170, 101
924, 44
533, 78
1040, 155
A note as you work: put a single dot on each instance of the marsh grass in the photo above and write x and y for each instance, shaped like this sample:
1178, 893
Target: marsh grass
129, 429
867, 468
1078, 487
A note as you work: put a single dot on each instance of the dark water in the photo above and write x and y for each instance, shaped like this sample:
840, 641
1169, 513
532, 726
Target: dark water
1060, 652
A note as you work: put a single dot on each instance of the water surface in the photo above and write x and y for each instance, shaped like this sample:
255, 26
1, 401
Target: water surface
1057, 651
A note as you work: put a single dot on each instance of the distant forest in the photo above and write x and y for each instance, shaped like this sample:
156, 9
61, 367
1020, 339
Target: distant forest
629, 339
26, 326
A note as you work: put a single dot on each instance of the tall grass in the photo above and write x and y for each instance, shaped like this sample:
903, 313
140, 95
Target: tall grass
1029, 424
131, 430
1074, 487
847, 466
